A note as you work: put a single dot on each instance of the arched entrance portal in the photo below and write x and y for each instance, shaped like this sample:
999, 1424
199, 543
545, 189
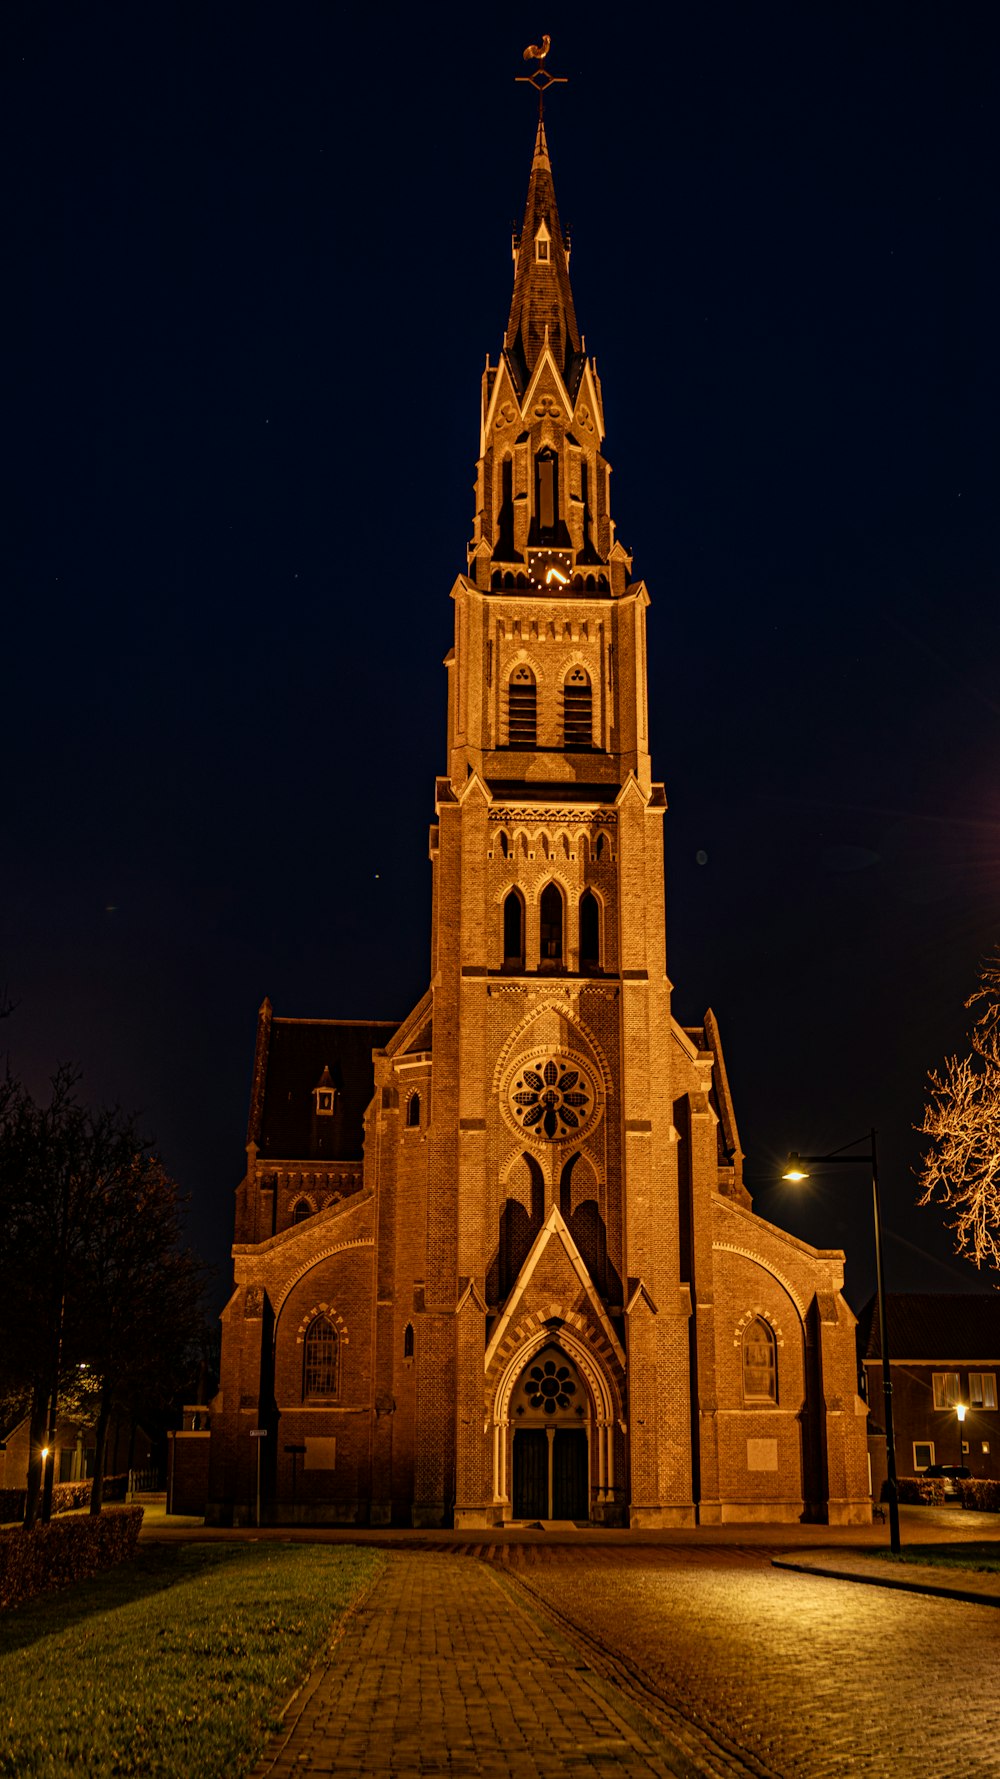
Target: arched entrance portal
550, 1420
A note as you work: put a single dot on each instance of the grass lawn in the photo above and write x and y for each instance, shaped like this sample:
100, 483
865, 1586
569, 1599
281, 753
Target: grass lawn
984, 1558
174, 1664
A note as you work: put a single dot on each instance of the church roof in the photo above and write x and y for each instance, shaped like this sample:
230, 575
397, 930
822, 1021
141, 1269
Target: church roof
541, 306
303, 1055
945, 1326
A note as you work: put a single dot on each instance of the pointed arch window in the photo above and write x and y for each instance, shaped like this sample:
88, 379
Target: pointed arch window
413, 1111
522, 708
578, 709
408, 1341
760, 1370
551, 911
546, 494
513, 931
590, 930
321, 1361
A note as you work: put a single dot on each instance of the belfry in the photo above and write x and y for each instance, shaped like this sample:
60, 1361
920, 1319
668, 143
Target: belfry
497, 1263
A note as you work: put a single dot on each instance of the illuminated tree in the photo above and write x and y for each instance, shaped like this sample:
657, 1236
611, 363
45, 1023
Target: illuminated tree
961, 1165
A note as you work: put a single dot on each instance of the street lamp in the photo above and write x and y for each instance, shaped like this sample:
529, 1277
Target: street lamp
960, 1411
797, 1169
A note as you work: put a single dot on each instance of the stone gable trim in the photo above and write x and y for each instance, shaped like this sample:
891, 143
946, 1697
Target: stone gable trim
571, 1332
566, 1010
726, 1207
766, 1266
536, 815
554, 1226
365, 1241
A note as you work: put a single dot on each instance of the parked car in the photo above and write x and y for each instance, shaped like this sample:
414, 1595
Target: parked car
951, 1475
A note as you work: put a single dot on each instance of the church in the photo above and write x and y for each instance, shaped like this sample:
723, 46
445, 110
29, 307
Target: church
497, 1264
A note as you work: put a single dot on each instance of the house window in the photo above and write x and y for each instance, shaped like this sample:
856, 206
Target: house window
551, 909
760, 1383
320, 1368
578, 709
946, 1390
413, 1111
513, 931
986, 1448
301, 1210
522, 708
923, 1454
590, 929
982, 1389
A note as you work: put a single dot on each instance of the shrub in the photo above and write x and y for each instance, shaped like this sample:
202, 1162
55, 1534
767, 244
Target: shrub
11, 1504
64, 1551
918, 1491
977, 1493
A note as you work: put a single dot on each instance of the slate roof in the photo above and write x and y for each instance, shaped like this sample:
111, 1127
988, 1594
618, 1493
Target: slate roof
284, 1122
542, 301
934, 1325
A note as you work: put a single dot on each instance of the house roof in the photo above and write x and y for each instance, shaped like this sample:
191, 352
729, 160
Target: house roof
295, 1056
934, 1325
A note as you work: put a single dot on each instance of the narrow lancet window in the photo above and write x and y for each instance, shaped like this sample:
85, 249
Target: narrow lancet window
413, 1111
320, 1370
590, 930
551, 910
513, 932
760, 1382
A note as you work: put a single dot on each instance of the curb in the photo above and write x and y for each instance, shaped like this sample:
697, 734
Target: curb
897, 1584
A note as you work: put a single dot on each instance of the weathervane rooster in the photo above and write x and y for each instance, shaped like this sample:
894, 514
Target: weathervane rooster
537, 52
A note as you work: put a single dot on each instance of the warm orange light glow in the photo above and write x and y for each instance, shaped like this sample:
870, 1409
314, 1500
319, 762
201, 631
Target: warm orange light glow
556, 574
794, 1169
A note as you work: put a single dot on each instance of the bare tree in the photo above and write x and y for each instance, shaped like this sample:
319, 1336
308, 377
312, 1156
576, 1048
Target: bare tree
93, 1267
960, 1168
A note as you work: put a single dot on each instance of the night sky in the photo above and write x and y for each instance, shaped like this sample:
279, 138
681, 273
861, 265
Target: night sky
255, 256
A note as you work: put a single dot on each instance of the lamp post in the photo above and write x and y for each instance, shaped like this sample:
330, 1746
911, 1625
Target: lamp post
797, 1170
960, 1412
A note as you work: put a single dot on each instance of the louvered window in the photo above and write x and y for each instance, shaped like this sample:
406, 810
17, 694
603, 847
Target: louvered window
522, 708
578, 709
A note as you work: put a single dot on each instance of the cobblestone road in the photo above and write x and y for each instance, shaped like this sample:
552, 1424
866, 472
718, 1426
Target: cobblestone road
442, 1670
806, 1677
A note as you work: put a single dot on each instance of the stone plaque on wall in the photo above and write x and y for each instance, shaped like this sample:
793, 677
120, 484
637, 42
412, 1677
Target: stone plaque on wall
321, 1454
762, 1454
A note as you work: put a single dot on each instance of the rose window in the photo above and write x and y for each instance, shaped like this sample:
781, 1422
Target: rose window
550, 1386
551, 1097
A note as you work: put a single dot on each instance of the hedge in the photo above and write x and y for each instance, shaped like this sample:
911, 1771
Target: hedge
918, 1491
65, 1551
977, 1493
65, 1496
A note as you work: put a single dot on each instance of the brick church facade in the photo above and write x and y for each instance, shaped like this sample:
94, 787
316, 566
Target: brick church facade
498, 1263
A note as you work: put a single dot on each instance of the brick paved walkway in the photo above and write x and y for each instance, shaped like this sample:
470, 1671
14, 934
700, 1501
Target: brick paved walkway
442, 1670
807, 1677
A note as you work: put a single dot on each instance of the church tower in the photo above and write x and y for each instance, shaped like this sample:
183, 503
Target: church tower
554, 1171
497, 1264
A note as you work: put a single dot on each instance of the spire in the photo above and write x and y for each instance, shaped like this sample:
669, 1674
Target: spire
542, 302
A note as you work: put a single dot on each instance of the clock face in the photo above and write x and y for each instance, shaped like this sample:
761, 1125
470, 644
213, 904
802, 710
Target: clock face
551, 1098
